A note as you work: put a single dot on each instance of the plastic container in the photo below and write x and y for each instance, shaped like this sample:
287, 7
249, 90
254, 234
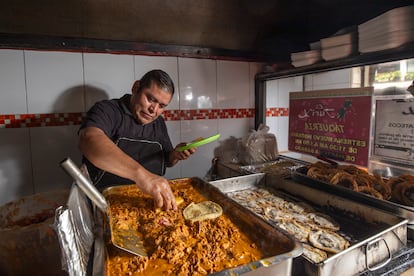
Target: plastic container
393, 20
388, 30
305, 58
337, 52
386, 41
338, 40
28, 242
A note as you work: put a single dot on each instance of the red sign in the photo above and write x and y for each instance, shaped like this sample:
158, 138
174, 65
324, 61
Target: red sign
331, 123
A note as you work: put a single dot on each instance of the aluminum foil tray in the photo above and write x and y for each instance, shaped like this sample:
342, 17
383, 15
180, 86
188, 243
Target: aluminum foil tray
403, 211
285, 247
375, 235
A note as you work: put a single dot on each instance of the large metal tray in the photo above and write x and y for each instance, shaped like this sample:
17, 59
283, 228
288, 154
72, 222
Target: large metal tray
403, 211
256, 229
377, 235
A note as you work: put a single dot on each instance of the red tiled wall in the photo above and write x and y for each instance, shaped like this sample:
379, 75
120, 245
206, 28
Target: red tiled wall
277, 112
63, 119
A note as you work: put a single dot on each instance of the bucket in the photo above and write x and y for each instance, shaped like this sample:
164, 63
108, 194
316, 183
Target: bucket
28, 242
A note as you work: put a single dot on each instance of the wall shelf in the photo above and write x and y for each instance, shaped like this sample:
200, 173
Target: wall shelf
404, 52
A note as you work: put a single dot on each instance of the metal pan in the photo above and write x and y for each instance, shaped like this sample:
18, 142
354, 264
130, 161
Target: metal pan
125, 239
403, 211
376, 235
282, 248
281, 167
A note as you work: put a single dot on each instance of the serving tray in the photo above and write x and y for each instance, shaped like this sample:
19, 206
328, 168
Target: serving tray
376, 235
407, 212
283, 248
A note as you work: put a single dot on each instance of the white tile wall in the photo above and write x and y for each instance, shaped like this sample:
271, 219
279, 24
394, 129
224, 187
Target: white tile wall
15, 165
12, 82
107, 76
272, 93
254, 68
286, 86
277, 91
174, 131
197, 83
328, 80
277, 95
199, 163
54, 81
233, 84
49, 146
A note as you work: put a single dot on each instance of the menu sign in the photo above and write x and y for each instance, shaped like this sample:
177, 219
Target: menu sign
394, 129
331, 123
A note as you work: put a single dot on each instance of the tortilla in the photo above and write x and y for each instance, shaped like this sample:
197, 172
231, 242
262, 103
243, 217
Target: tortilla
202, 211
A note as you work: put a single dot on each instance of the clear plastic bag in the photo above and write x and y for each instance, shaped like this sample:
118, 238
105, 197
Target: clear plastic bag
258, 146
228, 151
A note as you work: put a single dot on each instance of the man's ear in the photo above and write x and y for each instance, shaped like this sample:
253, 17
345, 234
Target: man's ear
135, 87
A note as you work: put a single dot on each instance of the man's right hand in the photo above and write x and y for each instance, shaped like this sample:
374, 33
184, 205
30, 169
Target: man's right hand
159, 188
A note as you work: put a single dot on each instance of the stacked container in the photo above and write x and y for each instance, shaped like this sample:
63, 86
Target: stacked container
342, 44
388, 30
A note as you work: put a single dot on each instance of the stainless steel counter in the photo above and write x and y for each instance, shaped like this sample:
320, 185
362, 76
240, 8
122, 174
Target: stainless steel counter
400, 262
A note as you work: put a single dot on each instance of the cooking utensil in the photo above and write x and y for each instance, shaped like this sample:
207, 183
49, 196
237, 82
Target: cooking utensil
199, 143
125, 239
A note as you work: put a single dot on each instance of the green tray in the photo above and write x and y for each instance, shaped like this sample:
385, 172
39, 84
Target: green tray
199, 143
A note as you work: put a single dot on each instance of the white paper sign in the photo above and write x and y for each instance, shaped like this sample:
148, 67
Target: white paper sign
394, 129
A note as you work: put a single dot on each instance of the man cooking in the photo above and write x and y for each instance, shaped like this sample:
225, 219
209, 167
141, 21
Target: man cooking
125, 140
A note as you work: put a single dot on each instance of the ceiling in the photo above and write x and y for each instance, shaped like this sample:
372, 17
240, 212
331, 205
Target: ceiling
273, 29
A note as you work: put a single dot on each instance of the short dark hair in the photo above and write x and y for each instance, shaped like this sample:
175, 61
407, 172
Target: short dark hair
160, 78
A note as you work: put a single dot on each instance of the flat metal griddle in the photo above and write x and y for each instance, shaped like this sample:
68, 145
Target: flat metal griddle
375, 235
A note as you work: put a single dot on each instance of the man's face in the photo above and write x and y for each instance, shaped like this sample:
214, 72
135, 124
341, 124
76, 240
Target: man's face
149, 103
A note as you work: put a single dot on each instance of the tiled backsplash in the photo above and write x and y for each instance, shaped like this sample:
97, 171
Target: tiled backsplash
277, 111
65, 119
75, 118
40, 120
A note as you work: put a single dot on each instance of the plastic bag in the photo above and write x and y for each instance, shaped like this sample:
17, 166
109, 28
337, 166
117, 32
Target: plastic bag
258, 147
228, 151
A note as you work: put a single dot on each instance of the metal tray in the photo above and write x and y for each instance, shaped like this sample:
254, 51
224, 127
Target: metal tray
256, 229
403, 211
372, 247
284, 172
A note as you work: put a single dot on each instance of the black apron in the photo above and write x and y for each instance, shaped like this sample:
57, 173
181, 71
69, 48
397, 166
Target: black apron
146, 152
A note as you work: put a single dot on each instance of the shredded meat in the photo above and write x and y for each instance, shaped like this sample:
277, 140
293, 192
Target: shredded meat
174, 245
